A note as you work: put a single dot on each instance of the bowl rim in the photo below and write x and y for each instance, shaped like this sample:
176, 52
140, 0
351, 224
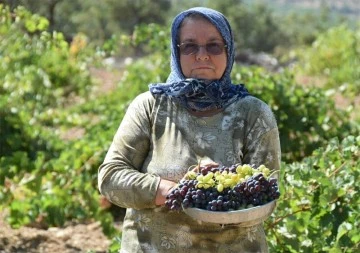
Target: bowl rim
243, 217
245, 210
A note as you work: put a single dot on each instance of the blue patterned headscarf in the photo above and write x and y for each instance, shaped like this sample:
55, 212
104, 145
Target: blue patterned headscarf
197, 94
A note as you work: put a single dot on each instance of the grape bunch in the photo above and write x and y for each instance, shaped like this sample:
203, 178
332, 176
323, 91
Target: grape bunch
221, 188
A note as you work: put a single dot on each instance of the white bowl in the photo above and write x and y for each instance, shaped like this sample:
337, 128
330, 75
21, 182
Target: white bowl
244, 218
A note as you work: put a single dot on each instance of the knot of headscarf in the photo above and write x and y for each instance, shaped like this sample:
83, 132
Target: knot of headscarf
198, 95
195, 94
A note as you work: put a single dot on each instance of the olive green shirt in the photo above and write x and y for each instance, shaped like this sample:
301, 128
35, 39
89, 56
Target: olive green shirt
158, 138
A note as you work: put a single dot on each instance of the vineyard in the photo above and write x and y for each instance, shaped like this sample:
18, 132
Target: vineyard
58, 118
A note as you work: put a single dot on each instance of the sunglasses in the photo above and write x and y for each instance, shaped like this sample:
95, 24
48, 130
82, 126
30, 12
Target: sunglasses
213, 48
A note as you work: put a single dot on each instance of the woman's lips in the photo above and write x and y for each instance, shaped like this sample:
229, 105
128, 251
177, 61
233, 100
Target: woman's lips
203, 67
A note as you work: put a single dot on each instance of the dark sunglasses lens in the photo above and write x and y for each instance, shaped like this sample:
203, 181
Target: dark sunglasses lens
192, 48
214, 48
189, 48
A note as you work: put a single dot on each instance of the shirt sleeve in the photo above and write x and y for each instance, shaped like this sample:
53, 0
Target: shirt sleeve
119, 176
262, 141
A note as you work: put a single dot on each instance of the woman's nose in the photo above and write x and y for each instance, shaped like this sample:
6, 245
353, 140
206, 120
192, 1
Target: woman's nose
202, 54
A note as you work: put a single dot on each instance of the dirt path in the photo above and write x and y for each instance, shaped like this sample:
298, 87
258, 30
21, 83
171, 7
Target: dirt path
70, 239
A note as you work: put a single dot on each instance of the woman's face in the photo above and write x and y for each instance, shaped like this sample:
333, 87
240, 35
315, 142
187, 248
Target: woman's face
202, 64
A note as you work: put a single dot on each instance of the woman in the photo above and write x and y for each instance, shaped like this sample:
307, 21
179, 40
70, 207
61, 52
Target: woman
197, 115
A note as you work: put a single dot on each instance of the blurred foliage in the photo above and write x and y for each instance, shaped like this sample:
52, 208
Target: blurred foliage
146, 39
302, 29
257, 25
307, 117
38, 72
254, 26
335, 55
98, 20
129, 13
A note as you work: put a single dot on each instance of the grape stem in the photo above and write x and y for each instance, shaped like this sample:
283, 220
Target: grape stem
194, 167
274, 172
337, 170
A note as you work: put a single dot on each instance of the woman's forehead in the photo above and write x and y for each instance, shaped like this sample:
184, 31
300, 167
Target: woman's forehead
193, 29
195, 20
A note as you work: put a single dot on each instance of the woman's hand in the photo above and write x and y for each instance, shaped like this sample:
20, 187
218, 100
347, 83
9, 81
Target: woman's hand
205, 167
164, 188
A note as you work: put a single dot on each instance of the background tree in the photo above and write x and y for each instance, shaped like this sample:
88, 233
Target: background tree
255, 26
98, 20
46, 8
133, 12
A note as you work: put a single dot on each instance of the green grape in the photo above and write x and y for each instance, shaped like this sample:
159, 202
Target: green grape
235, 177
200, 178
206, 181
199, 185
208, 176
191, 175
247, 169
229, 182
264, 170
220, 187
239, 169
220, 178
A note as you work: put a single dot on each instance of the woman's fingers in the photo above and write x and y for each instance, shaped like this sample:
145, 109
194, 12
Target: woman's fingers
209, 166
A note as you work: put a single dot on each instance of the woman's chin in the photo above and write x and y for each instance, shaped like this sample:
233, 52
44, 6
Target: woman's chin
203, 77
